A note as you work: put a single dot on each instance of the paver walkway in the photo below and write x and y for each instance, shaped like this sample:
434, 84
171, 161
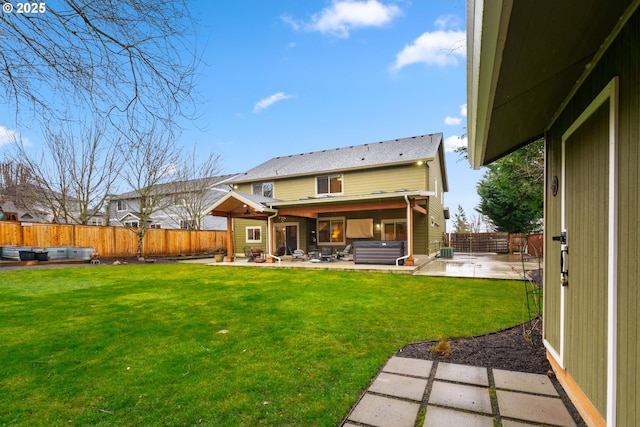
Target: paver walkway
408, 391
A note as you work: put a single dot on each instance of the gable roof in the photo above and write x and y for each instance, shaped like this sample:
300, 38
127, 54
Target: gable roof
365, 156
175, 187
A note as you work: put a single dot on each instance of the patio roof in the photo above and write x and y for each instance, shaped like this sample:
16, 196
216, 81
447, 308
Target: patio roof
241, 205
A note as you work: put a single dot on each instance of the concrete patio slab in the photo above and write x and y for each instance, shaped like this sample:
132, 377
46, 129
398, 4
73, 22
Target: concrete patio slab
406, 366
438, 417
462, 374
523, 381
385, 412
399, 386
467, 397
538, 409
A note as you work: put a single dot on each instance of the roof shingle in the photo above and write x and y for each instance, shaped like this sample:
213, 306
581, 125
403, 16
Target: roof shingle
377, 154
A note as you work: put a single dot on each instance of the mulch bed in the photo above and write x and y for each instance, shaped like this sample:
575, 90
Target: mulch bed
511, 349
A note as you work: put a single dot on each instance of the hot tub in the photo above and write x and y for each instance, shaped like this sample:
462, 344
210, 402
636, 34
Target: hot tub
378, 252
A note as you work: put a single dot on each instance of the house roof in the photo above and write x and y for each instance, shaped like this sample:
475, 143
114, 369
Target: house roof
176, 187
525, 59
372, 155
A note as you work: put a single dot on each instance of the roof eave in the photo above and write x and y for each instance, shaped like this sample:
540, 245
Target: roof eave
486, 34
356, 198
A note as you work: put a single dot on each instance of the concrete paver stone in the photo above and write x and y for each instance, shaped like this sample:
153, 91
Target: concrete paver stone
470, 398
438, 417
406, 366
385, 412
523, 381
399, 386
539, 409
462, 374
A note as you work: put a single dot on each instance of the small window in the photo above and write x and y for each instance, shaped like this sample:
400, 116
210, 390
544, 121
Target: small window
131, 224
122, 205
188, 225
264, 189
96, 221
329, 184
155, 226
254, 234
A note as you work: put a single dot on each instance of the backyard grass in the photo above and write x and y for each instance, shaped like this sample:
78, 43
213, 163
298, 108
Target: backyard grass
177, 344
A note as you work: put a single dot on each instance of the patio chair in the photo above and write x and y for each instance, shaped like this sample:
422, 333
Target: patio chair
248, 252
297, 255
326, 254
344, 253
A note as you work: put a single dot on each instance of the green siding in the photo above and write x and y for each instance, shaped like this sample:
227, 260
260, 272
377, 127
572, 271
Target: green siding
587, 222
240, 235
621, 59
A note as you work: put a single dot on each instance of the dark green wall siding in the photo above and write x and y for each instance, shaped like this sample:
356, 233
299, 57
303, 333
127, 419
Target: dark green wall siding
622, 59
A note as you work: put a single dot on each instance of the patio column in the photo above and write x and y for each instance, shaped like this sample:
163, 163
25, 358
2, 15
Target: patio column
409, 261
229, 238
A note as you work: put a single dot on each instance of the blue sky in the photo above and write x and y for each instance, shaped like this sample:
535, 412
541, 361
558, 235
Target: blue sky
283, 77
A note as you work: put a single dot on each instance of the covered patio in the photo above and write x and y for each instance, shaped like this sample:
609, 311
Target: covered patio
379, 205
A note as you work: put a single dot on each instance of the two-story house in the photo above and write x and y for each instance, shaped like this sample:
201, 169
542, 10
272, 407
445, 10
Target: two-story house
177, 205
389, 190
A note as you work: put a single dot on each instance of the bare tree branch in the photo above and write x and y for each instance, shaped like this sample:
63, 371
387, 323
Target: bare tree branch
119, 59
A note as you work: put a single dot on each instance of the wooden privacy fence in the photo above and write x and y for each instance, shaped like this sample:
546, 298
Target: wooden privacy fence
496, 242
112, 241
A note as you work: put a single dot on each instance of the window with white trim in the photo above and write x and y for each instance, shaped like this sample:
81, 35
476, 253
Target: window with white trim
254, 234
331, 231
264, 189
329, 184
122, 205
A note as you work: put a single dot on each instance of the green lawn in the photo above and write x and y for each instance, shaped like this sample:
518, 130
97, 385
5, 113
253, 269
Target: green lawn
179, 344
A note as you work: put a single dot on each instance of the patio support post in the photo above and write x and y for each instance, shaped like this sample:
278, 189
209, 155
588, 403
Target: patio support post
229, 238
409, 260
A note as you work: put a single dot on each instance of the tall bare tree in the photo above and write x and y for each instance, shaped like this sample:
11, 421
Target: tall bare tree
193, 188
73, 174
117, 59
150, 159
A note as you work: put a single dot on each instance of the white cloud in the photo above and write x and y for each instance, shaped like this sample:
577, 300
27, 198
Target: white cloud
453, 142
439, 48
448, 21
267, 102
8, 136
344, 16
463, 110
452, 121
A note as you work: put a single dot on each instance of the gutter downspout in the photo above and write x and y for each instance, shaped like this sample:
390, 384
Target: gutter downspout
410, 231
269, 237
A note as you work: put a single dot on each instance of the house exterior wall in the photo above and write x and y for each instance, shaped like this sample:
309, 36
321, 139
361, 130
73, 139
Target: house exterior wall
437, 223
169, 217
387, 179
622, 59
428, 234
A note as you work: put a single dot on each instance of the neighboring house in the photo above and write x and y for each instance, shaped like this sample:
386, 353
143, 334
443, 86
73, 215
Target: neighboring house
174, 202
13, 213
390, 190
570, 71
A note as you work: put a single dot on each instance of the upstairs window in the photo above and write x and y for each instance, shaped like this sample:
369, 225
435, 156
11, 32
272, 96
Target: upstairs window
329, 184
264, 189
122, 205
